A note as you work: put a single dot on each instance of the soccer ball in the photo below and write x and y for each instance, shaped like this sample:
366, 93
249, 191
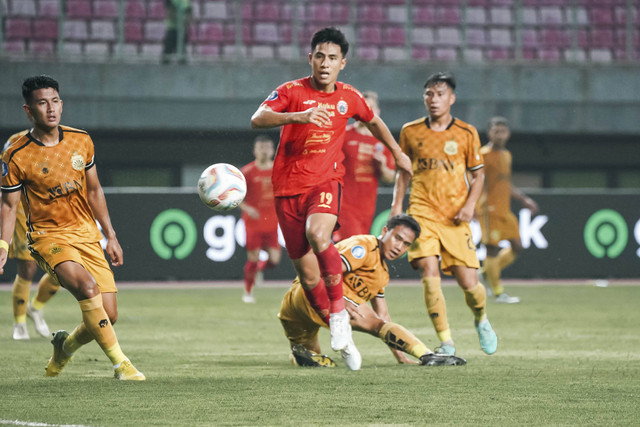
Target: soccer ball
222, 187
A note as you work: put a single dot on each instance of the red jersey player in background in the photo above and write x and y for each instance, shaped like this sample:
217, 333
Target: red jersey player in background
307, 173
259, 215
366, 161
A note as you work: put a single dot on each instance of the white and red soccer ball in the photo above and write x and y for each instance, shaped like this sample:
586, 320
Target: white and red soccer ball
222, 187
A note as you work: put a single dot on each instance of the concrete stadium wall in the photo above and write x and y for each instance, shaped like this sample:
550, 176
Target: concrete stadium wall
222, 96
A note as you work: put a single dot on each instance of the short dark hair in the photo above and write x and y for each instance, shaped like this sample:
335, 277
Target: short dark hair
330, 35
441, 77
262, 138
498, 121
406, 220
32, 84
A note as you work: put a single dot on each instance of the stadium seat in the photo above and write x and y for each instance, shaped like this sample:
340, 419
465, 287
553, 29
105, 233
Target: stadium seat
575, 55
397, 14
151, 49
155, 10
96, 49
318, 13
448, 36
48, 8
497, 54
500, 16
22, 8
446, 54
340, 13
211, 32
75, 30
392, 54
476, 37
394, 36
529, 16
369, 35
600, 55
500, 37
555, 38
530, 38
210, 50
260, 52
266, 11
549, 54
102, 30
448, 15
476, 16
370, 13
41, 47
422, 36
78, 9
602, 38
135, 9
421, 53
551, 16
265, 32
45, 29
215, 10
601, 16
72, 48
105, 9
154, 31
424, 15
368, 53
18, 28
16, 47
473, 55
133, 31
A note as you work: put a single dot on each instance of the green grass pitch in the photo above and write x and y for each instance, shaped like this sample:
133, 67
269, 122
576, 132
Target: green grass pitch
568, 355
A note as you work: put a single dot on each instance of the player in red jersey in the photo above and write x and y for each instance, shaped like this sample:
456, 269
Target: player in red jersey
259, 215
312, 113
366, 162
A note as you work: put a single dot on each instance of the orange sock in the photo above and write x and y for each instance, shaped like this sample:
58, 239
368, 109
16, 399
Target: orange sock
47, 288
436, 307
476, 299
98, 324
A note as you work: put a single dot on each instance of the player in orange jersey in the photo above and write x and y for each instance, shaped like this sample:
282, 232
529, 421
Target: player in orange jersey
366, 162
444, 151
494, 209
364, 276
53, 167
312, 113
259, 215
27, 268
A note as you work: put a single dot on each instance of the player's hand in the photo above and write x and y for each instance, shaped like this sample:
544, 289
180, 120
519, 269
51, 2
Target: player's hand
402, 359
464, 215
317, 116
114, 250
403, 164
530, 204
251, 212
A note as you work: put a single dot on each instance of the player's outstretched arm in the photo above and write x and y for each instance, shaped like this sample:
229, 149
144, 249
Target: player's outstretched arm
381, 132
98, 204
265, 117
399, 191
8, 210
526, 201
382, 311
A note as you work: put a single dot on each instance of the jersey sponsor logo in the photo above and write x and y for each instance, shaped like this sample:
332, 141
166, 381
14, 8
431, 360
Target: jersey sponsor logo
358, 252
433, 164
342, 107
451, 147
317, 137
77, 162
273, 95
5, 168
64, 189
309, 102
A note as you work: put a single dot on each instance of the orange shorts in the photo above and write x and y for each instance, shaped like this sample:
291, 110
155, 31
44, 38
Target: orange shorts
51, 251
496, 228
300, 321
453, 243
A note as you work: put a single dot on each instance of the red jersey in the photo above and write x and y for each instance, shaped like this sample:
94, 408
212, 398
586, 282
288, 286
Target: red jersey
360, 181
307, 154
259, 196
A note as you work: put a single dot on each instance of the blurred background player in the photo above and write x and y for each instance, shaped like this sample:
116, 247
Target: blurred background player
364, 277
26, 271
366, 161
259, 215
176, 34
64, 198
312, 113
494, 209
444, 151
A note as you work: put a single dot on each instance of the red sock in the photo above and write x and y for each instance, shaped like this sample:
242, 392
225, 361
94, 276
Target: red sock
261, 265
250, 270
331, 271
319, 300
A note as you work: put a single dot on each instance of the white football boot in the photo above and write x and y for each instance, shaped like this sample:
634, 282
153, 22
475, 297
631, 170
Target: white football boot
340, 330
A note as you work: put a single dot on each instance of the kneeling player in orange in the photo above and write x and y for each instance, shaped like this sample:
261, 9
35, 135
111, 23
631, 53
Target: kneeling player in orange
53, 167
364, 277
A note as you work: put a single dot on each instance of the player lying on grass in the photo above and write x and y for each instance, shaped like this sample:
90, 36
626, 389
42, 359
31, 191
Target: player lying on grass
364, 277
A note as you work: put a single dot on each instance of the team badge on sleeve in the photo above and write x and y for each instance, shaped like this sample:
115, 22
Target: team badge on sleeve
273, 95
5, 169
358, 252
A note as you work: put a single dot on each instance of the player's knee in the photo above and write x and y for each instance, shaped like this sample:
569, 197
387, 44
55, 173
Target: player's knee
318, 240
85, 289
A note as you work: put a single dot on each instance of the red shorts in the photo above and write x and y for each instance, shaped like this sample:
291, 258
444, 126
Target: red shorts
293, 212
262, 240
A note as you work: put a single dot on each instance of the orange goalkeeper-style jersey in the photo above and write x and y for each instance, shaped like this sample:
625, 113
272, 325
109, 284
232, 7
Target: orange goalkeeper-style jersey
497, 181
441, 161
53, 184
367, 273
